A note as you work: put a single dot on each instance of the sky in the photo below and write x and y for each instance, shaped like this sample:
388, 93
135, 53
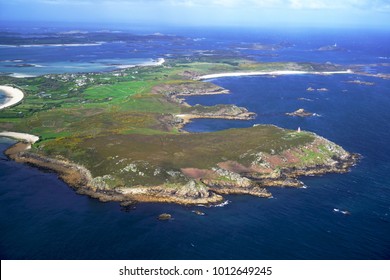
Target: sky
255, 13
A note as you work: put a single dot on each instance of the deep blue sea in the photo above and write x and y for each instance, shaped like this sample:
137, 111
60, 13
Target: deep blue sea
42, 218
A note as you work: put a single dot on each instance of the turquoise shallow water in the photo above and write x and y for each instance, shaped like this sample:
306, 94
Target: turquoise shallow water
42, 218
59, 67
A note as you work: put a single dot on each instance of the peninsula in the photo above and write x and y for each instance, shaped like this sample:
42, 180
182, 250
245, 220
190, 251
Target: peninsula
118, 136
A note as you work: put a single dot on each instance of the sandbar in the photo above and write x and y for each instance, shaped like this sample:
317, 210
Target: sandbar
20, 136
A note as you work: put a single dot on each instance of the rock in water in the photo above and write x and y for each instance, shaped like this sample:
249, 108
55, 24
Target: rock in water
127, 206
300, 113
164, 217
197, 212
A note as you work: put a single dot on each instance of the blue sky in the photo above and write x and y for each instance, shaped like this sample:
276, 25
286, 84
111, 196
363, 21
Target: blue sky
257, 13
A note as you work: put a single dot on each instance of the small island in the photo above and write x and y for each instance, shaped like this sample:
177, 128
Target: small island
359, 82
333, 47
118, 136
300, 113
165, 217
318, 89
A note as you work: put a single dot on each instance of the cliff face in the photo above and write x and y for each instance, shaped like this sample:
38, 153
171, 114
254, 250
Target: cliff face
195, 168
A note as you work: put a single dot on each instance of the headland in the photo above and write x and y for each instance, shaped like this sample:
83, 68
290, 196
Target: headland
118, 136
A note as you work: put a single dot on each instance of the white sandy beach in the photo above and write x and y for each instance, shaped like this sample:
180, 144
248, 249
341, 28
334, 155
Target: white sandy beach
157, 62
160, 61
14, 96
272, 73
21, 75
20, 136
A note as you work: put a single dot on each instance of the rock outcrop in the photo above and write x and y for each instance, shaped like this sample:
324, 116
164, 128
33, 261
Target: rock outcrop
300, 113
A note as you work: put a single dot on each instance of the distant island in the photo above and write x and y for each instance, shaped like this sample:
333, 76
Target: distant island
118, 136
333, 47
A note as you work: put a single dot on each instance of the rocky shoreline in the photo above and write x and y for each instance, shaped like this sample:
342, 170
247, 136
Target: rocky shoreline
81, 180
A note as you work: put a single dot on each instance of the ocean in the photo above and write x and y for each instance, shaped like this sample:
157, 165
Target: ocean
2, 97
42, 218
